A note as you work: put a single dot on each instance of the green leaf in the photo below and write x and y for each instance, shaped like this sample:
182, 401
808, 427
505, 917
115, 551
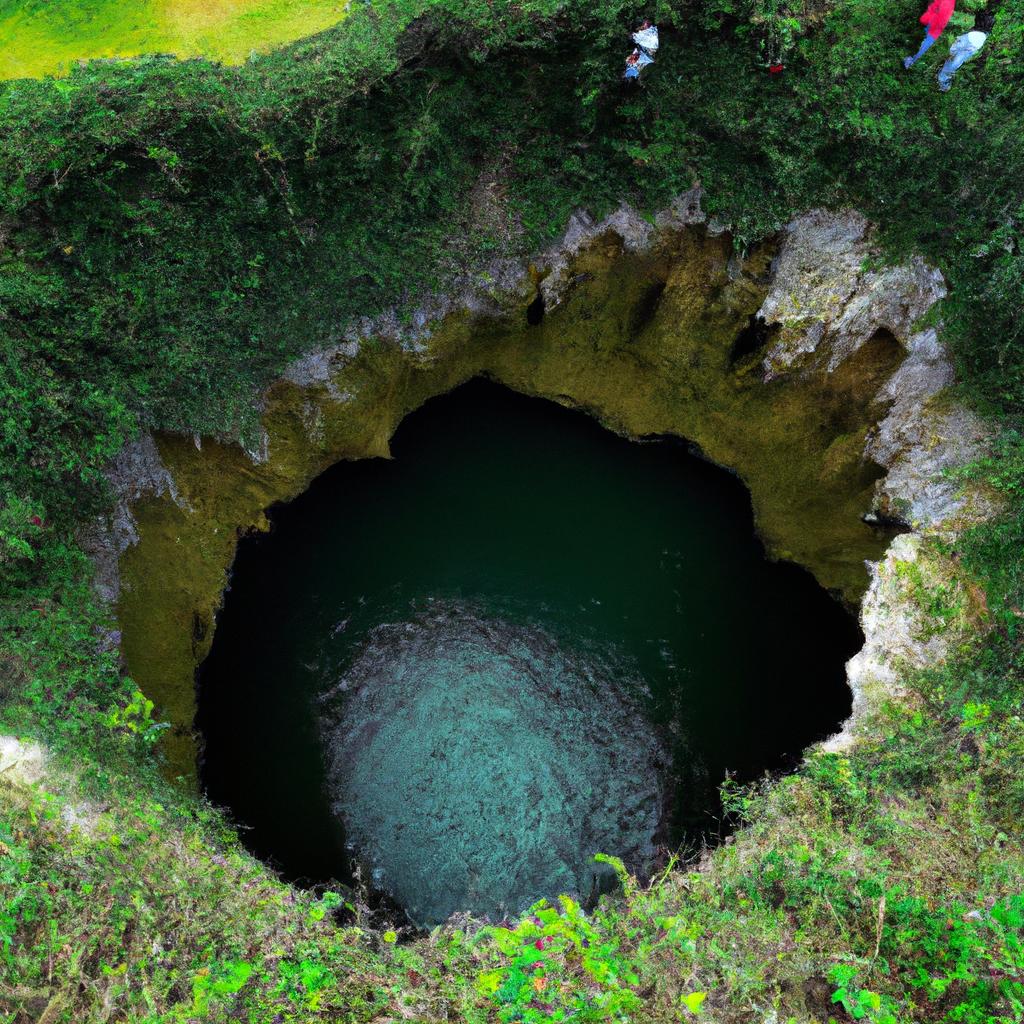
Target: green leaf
694, 1001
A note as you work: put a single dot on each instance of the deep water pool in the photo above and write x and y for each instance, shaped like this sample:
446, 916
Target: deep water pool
462, 672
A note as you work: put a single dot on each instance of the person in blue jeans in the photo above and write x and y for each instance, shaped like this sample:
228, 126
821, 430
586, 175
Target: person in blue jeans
963, 49
934, 19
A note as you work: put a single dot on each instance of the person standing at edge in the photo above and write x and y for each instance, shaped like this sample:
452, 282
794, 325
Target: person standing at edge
964, 48
935, 20
646, 39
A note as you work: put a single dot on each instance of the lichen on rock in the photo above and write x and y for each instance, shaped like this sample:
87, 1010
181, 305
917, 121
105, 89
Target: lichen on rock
822, 298
919, 609
923, 437
136, 472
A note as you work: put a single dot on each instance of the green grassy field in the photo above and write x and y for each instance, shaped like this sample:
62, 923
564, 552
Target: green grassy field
40, 38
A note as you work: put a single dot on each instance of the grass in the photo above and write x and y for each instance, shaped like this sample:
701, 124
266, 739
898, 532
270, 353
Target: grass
39, 38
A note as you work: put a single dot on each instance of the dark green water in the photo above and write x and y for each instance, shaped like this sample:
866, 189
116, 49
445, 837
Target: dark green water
519, 642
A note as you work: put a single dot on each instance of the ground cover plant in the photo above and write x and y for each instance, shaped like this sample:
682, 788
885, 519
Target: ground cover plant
46, 38
172, 233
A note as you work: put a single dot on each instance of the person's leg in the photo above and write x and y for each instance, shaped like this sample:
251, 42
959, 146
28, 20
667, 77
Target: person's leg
950, 68
929, 42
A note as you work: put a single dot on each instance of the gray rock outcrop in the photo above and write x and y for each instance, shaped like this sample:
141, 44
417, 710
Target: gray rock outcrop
136, 472
823, 299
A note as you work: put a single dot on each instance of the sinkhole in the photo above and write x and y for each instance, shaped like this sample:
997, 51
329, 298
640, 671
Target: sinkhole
460, 673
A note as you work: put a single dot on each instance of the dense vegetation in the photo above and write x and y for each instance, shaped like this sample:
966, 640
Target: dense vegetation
171, 233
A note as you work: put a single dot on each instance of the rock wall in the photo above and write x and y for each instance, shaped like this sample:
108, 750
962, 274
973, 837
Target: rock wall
791, 365
825, 307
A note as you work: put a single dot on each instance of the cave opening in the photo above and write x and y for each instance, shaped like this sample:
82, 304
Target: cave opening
646, 309
752, 339
460, 673
535, 310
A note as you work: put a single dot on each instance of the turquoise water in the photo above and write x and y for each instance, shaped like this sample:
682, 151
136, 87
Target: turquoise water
477, 764
523, 640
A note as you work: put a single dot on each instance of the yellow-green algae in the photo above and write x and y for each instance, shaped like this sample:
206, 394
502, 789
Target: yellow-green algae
643, 341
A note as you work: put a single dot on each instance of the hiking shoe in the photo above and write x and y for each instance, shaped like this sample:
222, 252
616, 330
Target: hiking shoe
908, 62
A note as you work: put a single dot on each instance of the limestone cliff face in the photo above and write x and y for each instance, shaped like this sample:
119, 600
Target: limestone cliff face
825, 308
792, 366
900, 634
138, 472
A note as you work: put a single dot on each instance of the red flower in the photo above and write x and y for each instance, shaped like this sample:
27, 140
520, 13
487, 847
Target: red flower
36, 521
775, 69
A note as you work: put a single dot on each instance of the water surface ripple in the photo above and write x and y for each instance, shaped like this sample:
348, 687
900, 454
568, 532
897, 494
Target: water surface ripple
479, 766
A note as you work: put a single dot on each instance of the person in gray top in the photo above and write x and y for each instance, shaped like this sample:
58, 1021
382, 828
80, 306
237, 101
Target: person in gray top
963, 49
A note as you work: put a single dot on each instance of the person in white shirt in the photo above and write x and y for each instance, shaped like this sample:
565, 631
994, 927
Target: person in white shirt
646, 39
963, 49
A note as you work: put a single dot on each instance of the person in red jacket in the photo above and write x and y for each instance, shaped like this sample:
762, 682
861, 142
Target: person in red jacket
934, 20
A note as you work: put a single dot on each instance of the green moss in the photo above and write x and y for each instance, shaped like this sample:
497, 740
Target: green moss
643, 342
